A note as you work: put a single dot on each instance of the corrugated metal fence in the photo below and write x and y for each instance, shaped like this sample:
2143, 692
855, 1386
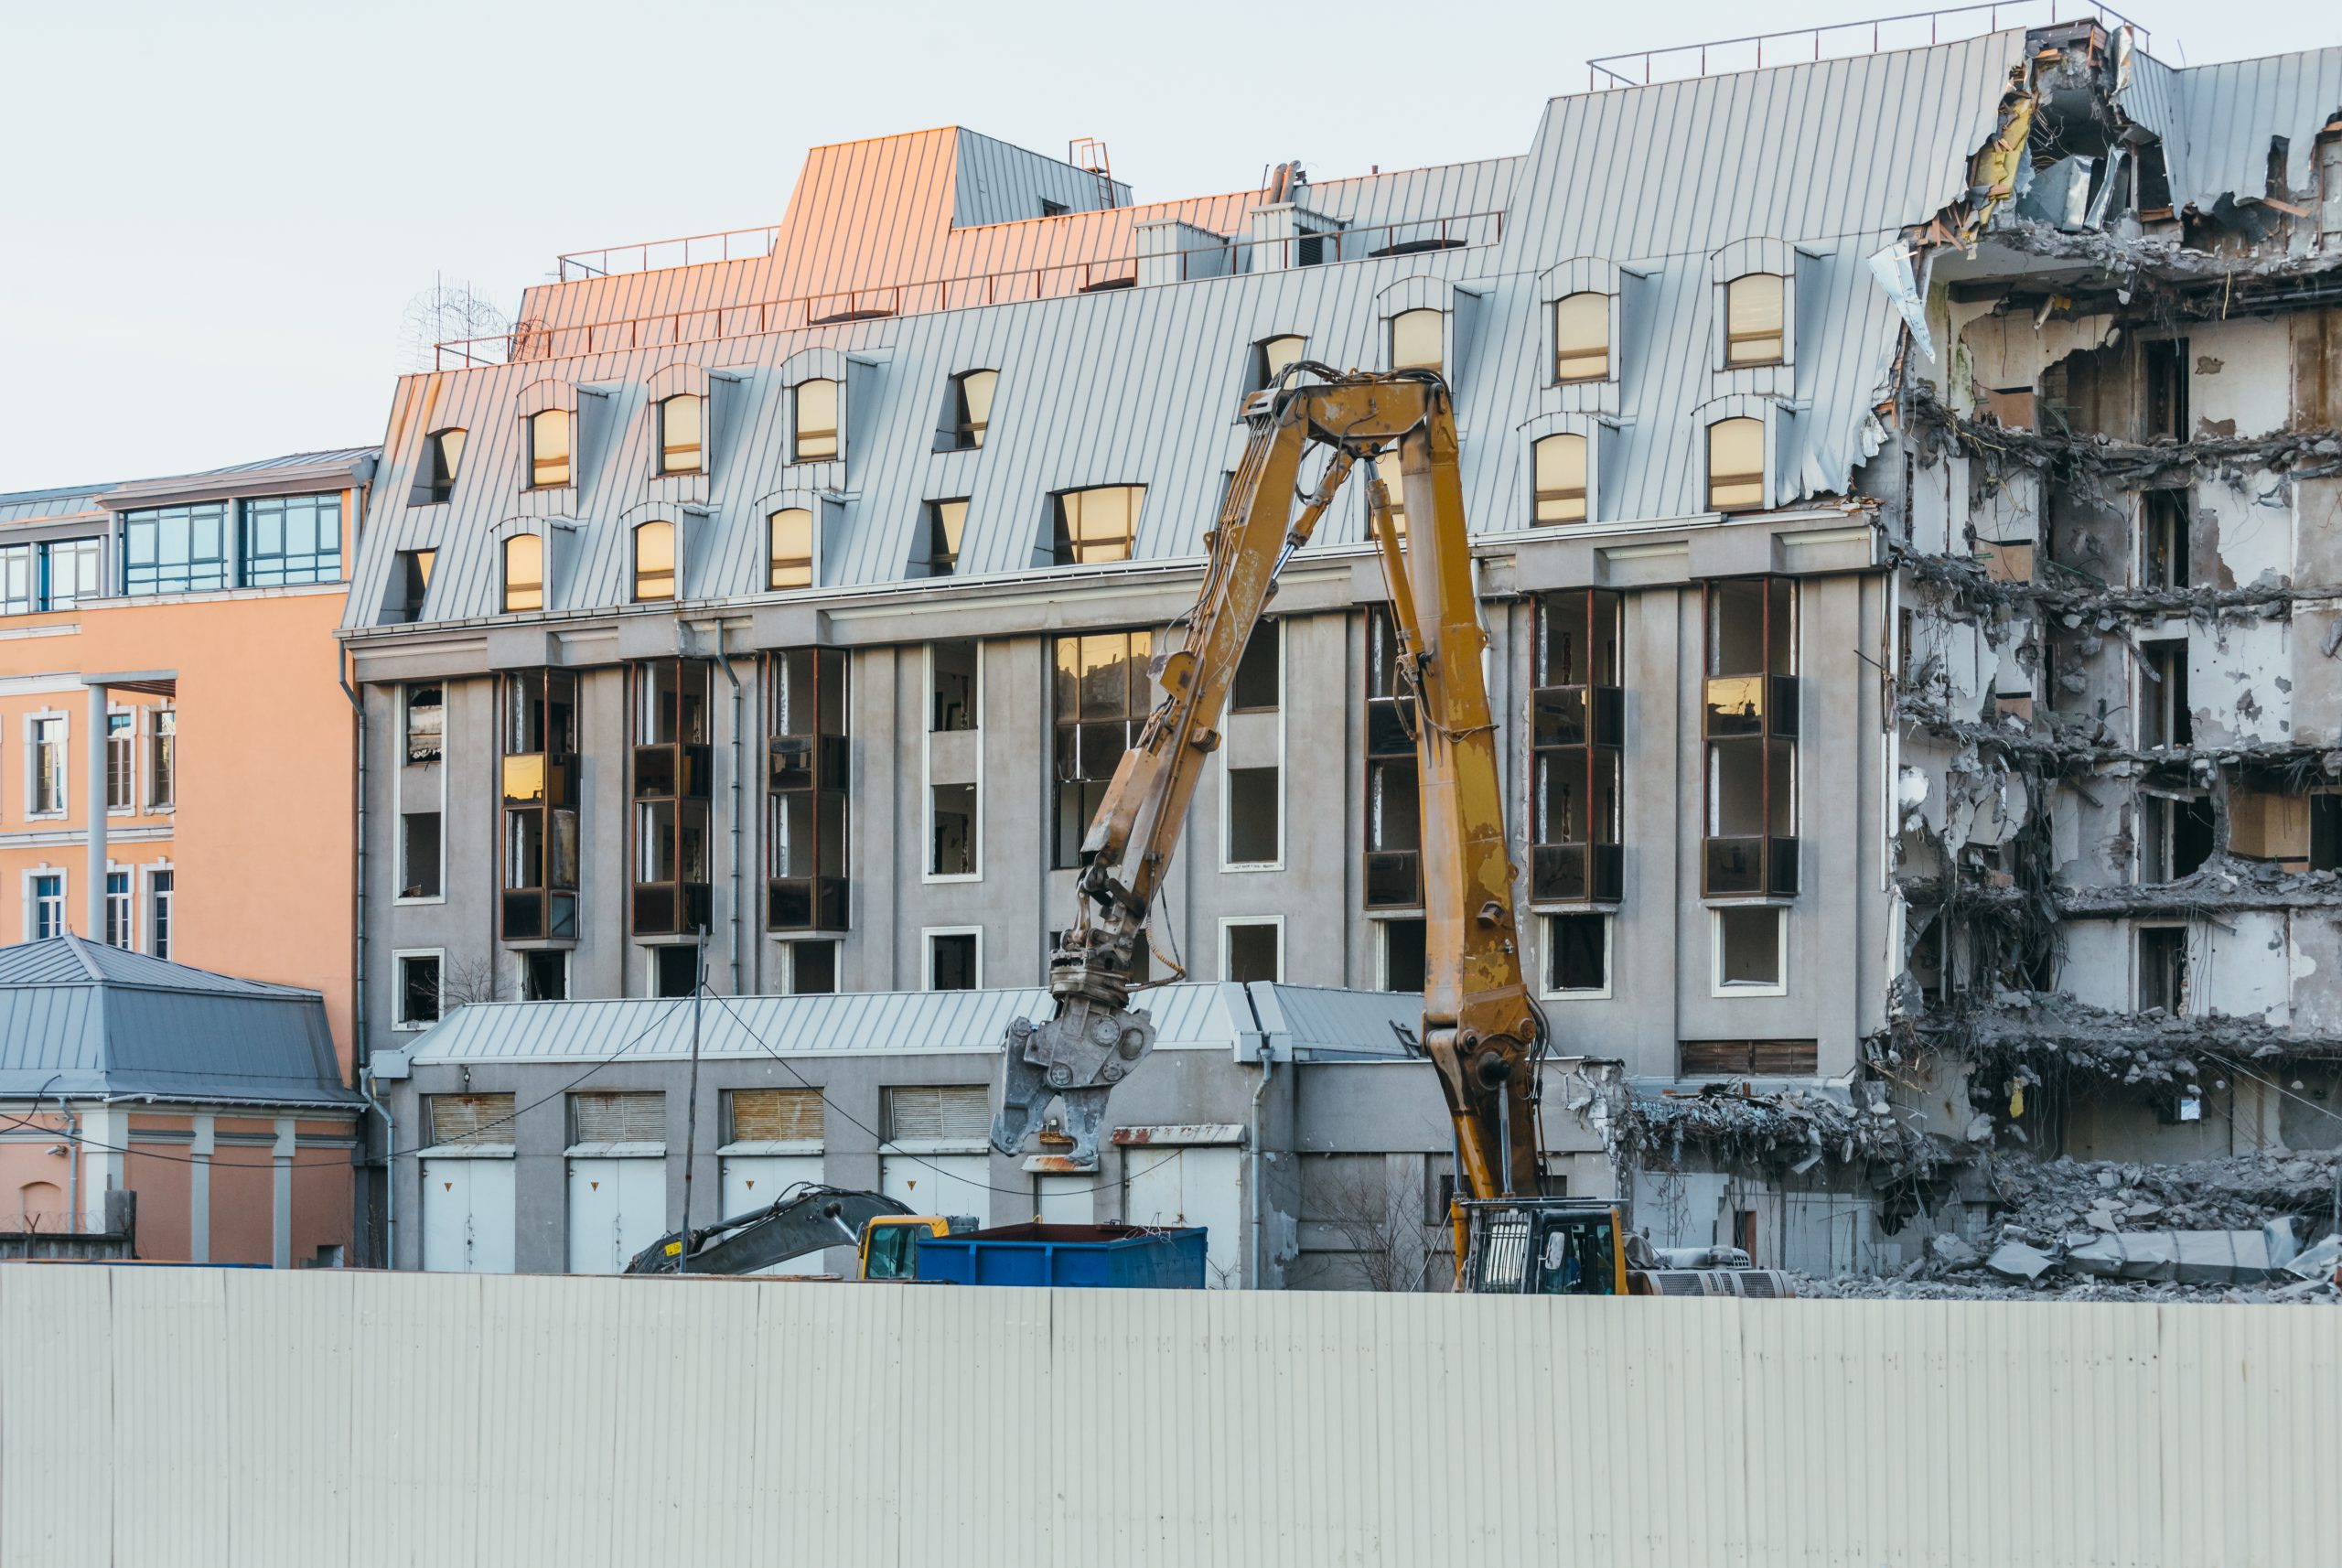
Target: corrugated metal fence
157, 1416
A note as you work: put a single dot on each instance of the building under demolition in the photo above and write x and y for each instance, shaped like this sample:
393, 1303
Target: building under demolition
1905, 552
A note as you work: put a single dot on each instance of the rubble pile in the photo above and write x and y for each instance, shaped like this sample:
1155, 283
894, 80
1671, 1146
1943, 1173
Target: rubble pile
1789, 1128
2056, 1202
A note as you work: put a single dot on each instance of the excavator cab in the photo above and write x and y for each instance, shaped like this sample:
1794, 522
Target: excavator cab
890, 1244
1545, 1246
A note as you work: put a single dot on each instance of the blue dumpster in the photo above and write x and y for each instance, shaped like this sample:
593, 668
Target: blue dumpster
1123, 1257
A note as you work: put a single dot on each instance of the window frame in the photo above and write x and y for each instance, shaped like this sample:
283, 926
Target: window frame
1560, 357
33, 876
1228, 863
1762, 476
1138, 702
63, 745
535, 542
162, 761
966, 432
1262, 370
1375, 728
1548, 921
1066, 549
1392, 333
676, 774
1228, 923
673, 574
833, 432
194, 573
821, 754
1778, 334
158, 907
774, 561
928, 732
249, 571
543, 783
697, 447
539, 466
400, 1022
129, 896
127, 739
1601, 712
932, 525
1539, 495
927, 936
1717, 985
1782, 697
440, 464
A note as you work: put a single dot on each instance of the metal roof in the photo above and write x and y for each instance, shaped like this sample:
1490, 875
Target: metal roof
2233, 109
82, 1019
76, 500
1140, 385
1328, 1023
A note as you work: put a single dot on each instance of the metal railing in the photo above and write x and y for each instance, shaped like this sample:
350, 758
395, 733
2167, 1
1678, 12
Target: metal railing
1912, 30
649, 255
539, 340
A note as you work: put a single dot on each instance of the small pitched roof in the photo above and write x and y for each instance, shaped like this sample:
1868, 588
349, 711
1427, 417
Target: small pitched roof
83, 1020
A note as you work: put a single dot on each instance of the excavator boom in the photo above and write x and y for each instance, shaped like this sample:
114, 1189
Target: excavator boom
1480, 1028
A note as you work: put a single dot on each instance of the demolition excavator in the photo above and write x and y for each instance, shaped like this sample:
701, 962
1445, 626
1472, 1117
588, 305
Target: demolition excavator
1481, 1029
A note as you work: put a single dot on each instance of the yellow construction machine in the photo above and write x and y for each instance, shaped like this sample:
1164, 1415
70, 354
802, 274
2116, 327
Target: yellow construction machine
1481, 1029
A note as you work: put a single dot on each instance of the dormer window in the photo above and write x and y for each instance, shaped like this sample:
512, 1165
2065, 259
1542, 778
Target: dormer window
1271, 355
972, 408
1560, 464
790, 559
1736, 464
549, 448
1095, 526
681, 424
1415, 340
1386, 468
525, 572
442, 451
816, 421
1753, 321
941, 530
654, 561
1581, 337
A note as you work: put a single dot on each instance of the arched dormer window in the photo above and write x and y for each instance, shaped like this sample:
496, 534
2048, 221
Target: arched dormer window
549, 433
683, 425
524, 572
654, 561
1560, 479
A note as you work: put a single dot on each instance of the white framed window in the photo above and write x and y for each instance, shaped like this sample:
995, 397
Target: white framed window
1418, 340
161, 881
683, 434
541, 975
122, 910
792, 548
1400, 961
1749, 945
1736, 464
1576, 961
121, 762
417, 987
813, 409
1251, 815
954, 826
44, 895
954, 957
1581, 337
162, 758
810, 966
1252, 947
47, 770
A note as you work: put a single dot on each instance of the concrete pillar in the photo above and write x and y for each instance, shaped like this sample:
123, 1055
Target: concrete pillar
93, 751
281, 1248
198, 1190
105, 1134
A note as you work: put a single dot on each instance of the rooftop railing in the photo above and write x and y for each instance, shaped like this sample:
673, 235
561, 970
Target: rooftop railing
537, 341
1912, 30
649, 255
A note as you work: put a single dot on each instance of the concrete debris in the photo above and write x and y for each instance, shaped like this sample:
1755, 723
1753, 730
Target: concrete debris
1735, 1126
1953, 1252
2015, 1261
2322, 1261
2060, 1287
2189, 1257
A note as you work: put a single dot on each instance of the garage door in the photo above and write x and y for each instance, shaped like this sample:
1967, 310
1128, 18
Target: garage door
756, 1181
1189, 1187
939, 1184
617, 1208
467, 1227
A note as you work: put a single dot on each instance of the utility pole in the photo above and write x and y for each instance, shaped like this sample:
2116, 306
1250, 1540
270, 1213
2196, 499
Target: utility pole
690, 1104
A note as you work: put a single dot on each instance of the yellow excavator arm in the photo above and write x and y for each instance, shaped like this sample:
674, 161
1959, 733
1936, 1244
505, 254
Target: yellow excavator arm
1480, 1028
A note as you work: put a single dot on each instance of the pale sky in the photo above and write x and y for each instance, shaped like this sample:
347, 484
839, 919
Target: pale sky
213, 216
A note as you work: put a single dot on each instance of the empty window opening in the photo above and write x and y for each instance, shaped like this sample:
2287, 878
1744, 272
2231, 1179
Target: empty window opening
1576, 749
1416, 340
2166, 372
2162, 547
675, 969
815, 415
2326, 831
427, 722
1100, 698
2178, 837
789, 553
2163, 716
812, 968
2163, 969
419, 854
1577, 953
1750, 701
1255, 804
121, 762
549, 448
951, 962
443, 451
1753, 321
544, 974
1581, 337
2329, 187
1736, 464
952, 851
1094, 526
1258, 673
1748, 947
525, 572
943, 526
682, 422
1393, 872
1404, 957
970, 414
410, 585
1271, 356
951, 667
418, 990
1560, 464
654, 561
1250, 951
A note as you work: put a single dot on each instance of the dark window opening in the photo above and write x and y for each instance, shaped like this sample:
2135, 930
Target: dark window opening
951, 961
806, 792
1405, 960
1393, 813
2154, 181
419, 989
1577, 739
1255, 687
674, 970
1750, 704
1054, 209
812, 968
953, 696
1578, 952
442, 451
967, 415
410, 583
2163, 716
2163, 555
1252, 952
2163, 969
419, 854
2179, 836
2166, 368
941, 528
2325, 833
544, 975
1748, 946
1101, 696
1254, 802
953, 852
